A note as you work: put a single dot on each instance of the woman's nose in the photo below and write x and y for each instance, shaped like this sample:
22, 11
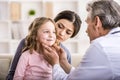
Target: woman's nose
62, 32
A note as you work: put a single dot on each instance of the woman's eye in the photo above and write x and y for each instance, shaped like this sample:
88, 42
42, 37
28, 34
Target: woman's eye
68, 33
60, 26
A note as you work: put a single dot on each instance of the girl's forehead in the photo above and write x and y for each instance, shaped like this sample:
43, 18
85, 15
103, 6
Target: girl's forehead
47, 25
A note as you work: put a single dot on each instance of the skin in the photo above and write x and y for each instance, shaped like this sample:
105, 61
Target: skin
65, 29
55, 55
46, 34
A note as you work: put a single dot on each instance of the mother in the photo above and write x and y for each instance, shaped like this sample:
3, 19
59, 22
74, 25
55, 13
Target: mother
68, 25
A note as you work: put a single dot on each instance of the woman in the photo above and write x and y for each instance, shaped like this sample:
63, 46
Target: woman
68, 25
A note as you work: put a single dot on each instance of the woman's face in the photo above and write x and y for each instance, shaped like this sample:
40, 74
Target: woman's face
46, 34
65, 29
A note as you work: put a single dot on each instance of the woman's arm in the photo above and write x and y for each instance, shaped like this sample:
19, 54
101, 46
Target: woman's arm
15, 60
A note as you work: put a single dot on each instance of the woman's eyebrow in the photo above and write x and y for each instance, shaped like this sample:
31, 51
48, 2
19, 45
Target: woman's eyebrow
62, 24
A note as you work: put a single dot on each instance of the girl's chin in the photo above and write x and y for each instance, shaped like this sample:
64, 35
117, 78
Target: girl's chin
49, 44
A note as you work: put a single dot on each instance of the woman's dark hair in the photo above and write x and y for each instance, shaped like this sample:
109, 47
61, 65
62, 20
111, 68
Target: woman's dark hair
72, 17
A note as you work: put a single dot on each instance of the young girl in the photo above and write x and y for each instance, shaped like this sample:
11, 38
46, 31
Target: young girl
32, 65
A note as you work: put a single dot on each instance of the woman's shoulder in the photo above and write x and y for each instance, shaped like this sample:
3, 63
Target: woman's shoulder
61, 45
64, 47
22, 40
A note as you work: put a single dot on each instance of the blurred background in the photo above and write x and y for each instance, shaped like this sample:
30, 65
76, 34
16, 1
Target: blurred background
16, 15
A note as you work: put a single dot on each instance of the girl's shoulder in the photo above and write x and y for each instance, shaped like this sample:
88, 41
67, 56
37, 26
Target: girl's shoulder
27, 52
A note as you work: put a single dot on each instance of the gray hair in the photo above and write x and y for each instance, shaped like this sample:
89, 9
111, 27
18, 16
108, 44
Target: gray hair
107, 10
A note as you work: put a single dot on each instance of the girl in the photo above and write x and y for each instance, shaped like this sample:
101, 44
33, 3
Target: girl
32, 65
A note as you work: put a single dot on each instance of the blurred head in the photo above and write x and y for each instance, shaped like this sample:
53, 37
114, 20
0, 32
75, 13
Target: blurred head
68, 24
42, 31
103, 15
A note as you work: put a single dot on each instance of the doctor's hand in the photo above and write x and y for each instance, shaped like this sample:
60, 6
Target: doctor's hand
51, 55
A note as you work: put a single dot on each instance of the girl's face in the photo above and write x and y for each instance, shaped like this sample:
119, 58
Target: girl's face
65, 29
46, 33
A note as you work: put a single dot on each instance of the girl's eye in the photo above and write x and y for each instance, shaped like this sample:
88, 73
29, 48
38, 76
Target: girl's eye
45, 31
49, 32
